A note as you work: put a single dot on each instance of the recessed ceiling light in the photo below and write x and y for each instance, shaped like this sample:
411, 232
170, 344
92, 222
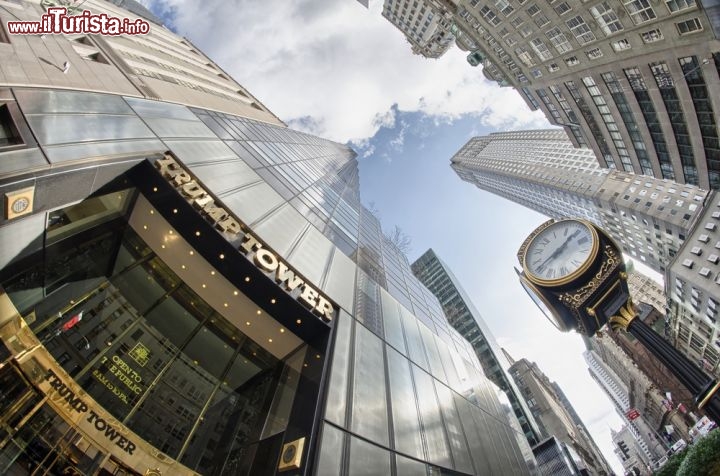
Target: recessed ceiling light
235, 293
197, 233
162, 246
154, 189
152, 212
212, 273
174, 210
317, 356
222, 256
247, 279
259, 312
192, 252
204, 286
225, 304
247, 323
144, 227
183, 267
282, 330
299, 321
272, 301
171, 232
304, 365
270, 340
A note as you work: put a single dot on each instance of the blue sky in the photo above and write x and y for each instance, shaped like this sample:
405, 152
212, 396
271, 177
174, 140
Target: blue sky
477, 234
345, 73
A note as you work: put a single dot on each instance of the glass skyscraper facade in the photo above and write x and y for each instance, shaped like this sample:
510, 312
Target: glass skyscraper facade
465, 318
189, 291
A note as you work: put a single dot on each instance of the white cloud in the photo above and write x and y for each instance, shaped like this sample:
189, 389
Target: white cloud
398, 142
341, 65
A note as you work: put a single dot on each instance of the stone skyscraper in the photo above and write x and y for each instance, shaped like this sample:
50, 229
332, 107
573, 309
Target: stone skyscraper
649, 218
637, 82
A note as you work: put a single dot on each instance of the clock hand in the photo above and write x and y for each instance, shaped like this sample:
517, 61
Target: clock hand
560, 248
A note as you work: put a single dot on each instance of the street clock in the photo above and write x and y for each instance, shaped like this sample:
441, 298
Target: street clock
575, 274
566, 270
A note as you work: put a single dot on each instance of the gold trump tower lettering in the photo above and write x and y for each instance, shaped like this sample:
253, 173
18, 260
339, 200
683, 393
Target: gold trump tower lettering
254, 249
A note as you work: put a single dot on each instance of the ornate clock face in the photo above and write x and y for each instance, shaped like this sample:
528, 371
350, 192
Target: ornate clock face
560, 252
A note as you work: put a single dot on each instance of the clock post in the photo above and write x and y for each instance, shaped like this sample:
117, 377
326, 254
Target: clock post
576, 275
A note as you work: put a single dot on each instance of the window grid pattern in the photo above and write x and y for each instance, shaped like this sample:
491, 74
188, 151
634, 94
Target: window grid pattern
558, 40
637, 83
592, 124
606, 18
550, 106
666, 85
692, 69
541, 49
570, 113
639, 10
581, 30
609, 121
628, 118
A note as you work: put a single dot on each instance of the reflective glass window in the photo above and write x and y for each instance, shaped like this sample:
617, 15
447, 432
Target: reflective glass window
438, 450
331, 451
337, 393
406, 425
369, 402
367, 459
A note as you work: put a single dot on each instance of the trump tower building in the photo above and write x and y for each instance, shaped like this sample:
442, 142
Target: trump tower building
190, 287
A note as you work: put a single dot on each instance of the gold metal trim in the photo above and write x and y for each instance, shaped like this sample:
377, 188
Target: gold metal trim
578, 272
291, 455
709, 395
530, 237
594, 307
627, 315
19, 202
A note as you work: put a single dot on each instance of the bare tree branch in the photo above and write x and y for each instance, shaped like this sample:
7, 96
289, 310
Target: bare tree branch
400, 239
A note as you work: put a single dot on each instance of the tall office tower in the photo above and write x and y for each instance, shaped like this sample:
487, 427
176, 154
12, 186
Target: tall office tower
693, 289
553, 417
635, 82
646, 393
465, 318
649, 218
612, 385
556, 458
645, 289
628, 451
579, 424
188, 286
427, 31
